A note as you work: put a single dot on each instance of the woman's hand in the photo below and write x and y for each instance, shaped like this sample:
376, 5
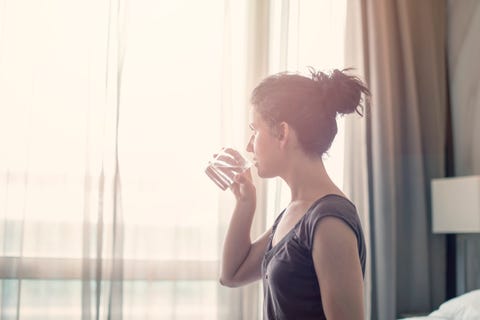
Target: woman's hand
243, 188
242, 259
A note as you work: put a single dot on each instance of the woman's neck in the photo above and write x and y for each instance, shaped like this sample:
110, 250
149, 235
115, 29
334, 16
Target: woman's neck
308, 180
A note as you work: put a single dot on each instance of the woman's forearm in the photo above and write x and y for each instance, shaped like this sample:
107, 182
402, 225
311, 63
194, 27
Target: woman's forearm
237, 240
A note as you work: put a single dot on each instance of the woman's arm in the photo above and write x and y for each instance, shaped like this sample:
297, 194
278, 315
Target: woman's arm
241, 261
338, 268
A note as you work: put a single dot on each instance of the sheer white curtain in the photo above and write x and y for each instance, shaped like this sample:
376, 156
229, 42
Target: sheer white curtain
109, 111
318, 34
356, 165
302, 34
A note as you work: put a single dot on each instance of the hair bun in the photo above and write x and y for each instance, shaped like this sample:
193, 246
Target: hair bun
342, 92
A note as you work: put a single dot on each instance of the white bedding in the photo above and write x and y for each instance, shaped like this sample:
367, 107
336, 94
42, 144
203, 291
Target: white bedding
464, 307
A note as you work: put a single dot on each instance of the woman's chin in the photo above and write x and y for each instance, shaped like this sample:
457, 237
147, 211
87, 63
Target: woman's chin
262, 174
259, 171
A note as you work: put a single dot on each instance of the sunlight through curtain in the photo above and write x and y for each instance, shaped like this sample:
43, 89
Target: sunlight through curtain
302, 34
109, 111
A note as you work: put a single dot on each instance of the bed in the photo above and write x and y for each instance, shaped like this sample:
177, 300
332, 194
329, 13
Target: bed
464, 307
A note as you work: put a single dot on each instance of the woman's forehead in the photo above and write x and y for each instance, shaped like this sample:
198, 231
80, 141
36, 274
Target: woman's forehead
251, 113
254, 116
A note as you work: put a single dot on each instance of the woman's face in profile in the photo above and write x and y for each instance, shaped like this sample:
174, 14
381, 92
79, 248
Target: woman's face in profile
264, 145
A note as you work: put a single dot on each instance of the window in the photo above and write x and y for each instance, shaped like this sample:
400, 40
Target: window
165, 72
109, 111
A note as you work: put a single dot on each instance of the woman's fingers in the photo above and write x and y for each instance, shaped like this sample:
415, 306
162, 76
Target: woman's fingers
233, 152
244, 177
225, 159
237, 156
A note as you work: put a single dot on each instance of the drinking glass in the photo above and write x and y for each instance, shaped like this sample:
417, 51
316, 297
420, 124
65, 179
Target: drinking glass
225, 165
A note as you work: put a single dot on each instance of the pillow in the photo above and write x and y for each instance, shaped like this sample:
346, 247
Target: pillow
425, 318
464, 307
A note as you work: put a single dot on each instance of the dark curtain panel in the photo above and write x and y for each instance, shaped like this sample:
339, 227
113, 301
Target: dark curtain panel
401, 53
463, 19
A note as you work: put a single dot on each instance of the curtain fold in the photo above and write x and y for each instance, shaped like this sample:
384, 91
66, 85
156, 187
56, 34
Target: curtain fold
399, 47
356, 165
463, 51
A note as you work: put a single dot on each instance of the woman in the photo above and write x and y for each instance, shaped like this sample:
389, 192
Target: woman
312, 260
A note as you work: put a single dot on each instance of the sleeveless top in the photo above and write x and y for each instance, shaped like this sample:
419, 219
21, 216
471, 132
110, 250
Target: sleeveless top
290, 284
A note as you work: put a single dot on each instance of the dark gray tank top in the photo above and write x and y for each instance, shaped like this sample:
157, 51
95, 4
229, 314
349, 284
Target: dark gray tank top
290, 284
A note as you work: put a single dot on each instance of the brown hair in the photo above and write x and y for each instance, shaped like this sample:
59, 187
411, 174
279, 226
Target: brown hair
309, 105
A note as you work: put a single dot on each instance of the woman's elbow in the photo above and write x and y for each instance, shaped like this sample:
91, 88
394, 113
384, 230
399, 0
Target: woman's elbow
228, 282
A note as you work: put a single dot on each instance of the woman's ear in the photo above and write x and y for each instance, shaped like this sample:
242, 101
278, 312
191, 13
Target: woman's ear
286, 135
283, 132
